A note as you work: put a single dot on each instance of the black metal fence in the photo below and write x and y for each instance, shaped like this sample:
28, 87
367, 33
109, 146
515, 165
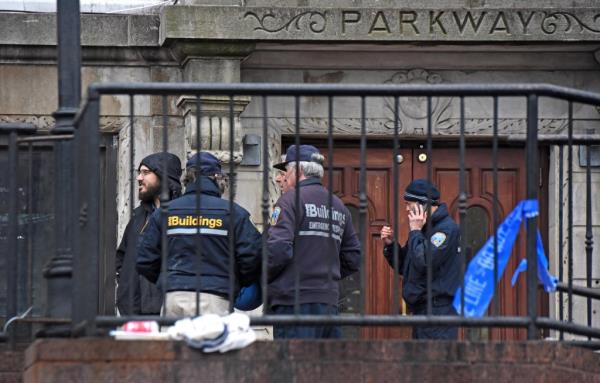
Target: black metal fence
85, 197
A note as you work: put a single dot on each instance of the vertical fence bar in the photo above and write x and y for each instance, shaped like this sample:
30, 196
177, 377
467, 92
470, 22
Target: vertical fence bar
132, 178
133, 168
462, 205
164, 201
589, 242
296, 206
30, 225
561, 310
232, 180
570, 210
265, 204
362, 201
13, 221
495, 206
198, 237
395, 196
330, 183
428, 211
531, 222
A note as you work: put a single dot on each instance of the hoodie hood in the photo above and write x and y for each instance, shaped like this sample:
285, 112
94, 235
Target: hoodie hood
155, 161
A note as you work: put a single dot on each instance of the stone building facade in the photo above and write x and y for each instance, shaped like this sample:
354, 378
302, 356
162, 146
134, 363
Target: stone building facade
306, 41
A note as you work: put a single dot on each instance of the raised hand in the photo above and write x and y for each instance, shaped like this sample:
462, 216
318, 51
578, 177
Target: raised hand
417, 217
387, 235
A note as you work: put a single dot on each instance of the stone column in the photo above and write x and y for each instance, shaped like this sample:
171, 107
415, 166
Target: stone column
212, 63
215, 125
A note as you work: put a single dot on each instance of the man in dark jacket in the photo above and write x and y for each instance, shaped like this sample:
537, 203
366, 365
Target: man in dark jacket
442, 242
325, 251
198, 228
136, 295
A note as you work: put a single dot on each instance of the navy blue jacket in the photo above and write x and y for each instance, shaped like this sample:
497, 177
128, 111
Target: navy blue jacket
183, 263
321, 260
444, 241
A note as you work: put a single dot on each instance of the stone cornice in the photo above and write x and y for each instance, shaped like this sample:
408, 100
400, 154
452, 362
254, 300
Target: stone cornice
380, 25
96, 29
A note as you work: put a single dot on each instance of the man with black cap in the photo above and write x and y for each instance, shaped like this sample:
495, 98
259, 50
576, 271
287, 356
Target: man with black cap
442, 242
319, 257
201, 211
136, 295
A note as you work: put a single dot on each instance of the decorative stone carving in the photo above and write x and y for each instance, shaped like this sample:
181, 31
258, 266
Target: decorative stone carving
42, 122
473, 126
268, 22
413, 110
215, 127
566, 21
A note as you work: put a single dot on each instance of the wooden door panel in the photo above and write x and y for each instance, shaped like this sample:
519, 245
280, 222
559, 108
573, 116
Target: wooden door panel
479, 186
378, 287
338, 182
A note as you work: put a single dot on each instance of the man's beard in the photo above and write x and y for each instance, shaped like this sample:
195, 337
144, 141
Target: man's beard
152, 191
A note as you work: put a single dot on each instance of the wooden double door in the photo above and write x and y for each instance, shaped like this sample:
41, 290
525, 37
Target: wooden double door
378, 291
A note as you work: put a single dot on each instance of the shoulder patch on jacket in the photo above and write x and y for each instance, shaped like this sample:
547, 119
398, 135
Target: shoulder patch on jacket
438, 239
275, 216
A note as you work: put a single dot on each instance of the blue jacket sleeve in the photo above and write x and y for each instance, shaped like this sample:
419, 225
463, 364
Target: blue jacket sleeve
247, 250
280, 243
388, 253
349, 250
418, 246
148, 249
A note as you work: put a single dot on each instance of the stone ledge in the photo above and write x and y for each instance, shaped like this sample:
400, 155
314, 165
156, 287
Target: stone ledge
65, 360
96, 29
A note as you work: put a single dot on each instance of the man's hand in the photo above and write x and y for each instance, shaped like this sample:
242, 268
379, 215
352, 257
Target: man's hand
387, 235
417, 218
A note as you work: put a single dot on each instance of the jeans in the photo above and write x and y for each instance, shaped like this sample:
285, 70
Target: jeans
306, 332
448, 333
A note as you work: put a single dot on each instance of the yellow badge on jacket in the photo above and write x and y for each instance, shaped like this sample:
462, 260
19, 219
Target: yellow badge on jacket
275, 216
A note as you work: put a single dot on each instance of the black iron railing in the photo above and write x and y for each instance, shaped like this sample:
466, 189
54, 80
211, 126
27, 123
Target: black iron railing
85, 196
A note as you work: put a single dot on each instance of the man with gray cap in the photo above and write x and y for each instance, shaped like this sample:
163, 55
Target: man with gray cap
442, 242
319, 256
136, 295
201, 212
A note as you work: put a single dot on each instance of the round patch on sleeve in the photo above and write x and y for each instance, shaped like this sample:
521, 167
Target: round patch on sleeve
438, 239
275, 216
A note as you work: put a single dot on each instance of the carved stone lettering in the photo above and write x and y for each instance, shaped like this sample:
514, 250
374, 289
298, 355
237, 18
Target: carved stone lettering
408, 17
500, 24
525, 21
349, 17
434, 19
475, 23
380, 24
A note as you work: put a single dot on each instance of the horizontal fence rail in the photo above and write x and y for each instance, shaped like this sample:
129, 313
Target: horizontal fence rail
537, 315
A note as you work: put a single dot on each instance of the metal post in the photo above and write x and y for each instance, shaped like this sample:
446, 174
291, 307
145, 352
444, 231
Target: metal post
532, 193
58, 271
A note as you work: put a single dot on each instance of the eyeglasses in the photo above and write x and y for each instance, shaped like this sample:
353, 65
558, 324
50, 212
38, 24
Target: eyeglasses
144, 172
